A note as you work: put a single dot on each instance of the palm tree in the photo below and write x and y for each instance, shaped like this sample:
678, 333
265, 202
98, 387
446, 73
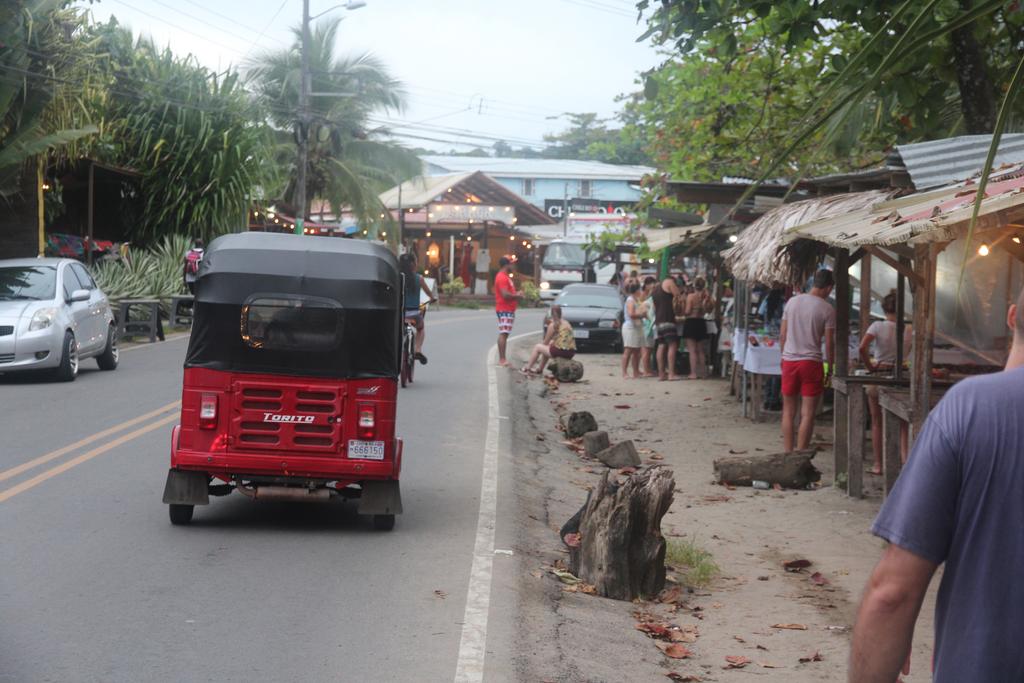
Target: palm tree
349, 164
35, 103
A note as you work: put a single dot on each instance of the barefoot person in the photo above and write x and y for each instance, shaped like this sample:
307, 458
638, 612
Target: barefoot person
695, 327
665, 328
558, 343
806, 321
506, 300
882, 333
958, 503
632, 331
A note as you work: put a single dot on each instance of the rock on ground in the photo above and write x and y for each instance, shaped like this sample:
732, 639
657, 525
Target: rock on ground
579, 423
620, 455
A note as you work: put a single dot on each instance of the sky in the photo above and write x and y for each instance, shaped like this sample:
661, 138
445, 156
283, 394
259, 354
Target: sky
494, 69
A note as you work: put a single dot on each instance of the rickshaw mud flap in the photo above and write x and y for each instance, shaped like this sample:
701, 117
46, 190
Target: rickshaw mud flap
186, 488
380, 498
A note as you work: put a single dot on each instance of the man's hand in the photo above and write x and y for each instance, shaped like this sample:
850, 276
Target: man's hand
885, 621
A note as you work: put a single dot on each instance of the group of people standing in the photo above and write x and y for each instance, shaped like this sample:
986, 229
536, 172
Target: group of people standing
655, 316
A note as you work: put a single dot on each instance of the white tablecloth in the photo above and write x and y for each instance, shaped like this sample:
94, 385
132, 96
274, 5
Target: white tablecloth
763, 360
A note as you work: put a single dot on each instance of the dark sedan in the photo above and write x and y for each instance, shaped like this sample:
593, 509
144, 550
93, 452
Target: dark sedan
595, 313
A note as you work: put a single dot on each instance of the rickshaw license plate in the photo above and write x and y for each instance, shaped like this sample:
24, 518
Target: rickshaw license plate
366, 450
581, 334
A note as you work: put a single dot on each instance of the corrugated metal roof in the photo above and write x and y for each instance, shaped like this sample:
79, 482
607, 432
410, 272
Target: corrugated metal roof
469, 188
538, 168
757, 254
940, 162
421, 190
660, 238
937, 215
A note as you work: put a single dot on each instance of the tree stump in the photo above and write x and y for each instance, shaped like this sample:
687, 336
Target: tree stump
621, 550
566, 370
789, 470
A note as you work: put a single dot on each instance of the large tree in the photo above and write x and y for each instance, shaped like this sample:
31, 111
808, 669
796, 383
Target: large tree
351, 159
946, 63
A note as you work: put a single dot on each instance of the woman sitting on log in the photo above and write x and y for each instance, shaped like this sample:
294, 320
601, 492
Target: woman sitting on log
558, 343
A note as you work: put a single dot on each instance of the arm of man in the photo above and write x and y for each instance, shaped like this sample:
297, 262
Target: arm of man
830, 349
864, 350
782, 335
888, 611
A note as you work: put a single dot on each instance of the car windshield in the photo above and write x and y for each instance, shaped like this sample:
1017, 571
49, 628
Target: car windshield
562, 255
27, 282
588, 300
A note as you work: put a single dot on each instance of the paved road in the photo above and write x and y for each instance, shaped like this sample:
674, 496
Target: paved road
96, 585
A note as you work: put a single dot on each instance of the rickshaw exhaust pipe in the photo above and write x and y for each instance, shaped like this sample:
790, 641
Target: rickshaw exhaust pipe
286, 493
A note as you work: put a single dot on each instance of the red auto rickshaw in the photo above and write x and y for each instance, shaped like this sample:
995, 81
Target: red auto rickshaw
290, 383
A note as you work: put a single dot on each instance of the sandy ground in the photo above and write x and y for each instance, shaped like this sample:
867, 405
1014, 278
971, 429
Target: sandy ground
571, 636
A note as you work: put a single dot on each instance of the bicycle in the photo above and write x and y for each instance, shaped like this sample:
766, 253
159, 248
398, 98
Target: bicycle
409, 347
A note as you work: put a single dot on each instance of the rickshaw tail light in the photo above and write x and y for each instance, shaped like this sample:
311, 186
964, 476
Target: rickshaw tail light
367, 422
208, 412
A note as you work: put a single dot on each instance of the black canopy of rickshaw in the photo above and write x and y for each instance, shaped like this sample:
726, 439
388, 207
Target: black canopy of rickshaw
361, 278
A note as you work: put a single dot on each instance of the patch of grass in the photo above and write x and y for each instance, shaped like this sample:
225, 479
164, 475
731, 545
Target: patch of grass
696, 564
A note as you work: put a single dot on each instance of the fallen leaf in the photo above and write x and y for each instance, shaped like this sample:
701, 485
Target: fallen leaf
737, 451
717, 499
763, 578
657, 456
791, 627
736, 661
588, 588
658, 631
762, 647
623, 406
441, 594
796, 565
565, 577
572, 540
818, 579
540, 437
738, 639
815, 657
768, 665
674, 650
680, 678
627, 470
670, 595
684, 634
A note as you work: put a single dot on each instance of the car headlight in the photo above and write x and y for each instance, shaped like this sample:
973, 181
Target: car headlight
607, 323
42, 319
545, 285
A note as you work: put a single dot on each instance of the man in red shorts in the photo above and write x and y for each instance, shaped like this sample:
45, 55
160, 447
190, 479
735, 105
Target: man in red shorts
806, 320
506, 300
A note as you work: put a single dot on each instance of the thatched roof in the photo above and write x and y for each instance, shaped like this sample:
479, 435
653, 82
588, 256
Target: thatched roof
761, 253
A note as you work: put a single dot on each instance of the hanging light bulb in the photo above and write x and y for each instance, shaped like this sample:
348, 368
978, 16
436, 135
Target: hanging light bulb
428, 233
1016, 240
733, 238
983, 250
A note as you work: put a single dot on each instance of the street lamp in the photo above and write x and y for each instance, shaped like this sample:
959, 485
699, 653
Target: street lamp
305, 86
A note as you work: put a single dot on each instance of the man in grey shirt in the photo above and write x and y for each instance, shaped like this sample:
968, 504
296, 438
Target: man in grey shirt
960, 501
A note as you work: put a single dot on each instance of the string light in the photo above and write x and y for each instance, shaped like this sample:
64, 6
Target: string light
1016, 240
511, 238
983, 250
384, 234
469, 239
428, 233
733, 238
271, 214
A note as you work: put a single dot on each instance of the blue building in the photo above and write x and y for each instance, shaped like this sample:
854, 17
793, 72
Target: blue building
551, 184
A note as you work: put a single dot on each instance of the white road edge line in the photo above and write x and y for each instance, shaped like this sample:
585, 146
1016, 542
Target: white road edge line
473, 645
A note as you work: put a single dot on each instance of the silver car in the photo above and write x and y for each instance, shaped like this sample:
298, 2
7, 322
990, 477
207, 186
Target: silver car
53, 316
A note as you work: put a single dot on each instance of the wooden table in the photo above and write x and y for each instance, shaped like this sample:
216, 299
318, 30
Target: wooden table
897, 409
849, 444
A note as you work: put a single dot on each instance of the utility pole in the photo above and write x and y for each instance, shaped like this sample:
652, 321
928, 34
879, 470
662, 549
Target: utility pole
565, 211
302, 125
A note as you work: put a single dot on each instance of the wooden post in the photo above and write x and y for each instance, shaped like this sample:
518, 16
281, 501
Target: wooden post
901, 288
842, 340
891, 461
840, 445
920, 371
865, 293
855, 440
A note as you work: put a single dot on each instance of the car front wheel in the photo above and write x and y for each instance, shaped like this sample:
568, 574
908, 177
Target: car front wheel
68, 368
108, 359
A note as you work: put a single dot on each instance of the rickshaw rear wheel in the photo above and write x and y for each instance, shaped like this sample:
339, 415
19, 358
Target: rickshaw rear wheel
383, 522
180, 514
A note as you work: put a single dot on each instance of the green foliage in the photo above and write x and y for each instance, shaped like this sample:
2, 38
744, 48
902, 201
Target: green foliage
530, 292
696, 564
453, 287
192, 134
350, 162
151, 273
35, 58
589, 138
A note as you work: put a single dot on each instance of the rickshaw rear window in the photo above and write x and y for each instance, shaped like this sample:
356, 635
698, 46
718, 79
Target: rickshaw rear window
277, 323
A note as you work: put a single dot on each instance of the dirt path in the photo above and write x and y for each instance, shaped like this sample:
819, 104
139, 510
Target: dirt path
577, 637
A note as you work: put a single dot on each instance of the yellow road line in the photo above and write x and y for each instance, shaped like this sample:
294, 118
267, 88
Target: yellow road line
42, 459
84, 457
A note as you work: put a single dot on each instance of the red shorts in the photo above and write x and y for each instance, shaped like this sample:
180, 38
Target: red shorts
803, 378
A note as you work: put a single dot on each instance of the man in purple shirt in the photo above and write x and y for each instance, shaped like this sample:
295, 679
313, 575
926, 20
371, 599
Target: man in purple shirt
959, 501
